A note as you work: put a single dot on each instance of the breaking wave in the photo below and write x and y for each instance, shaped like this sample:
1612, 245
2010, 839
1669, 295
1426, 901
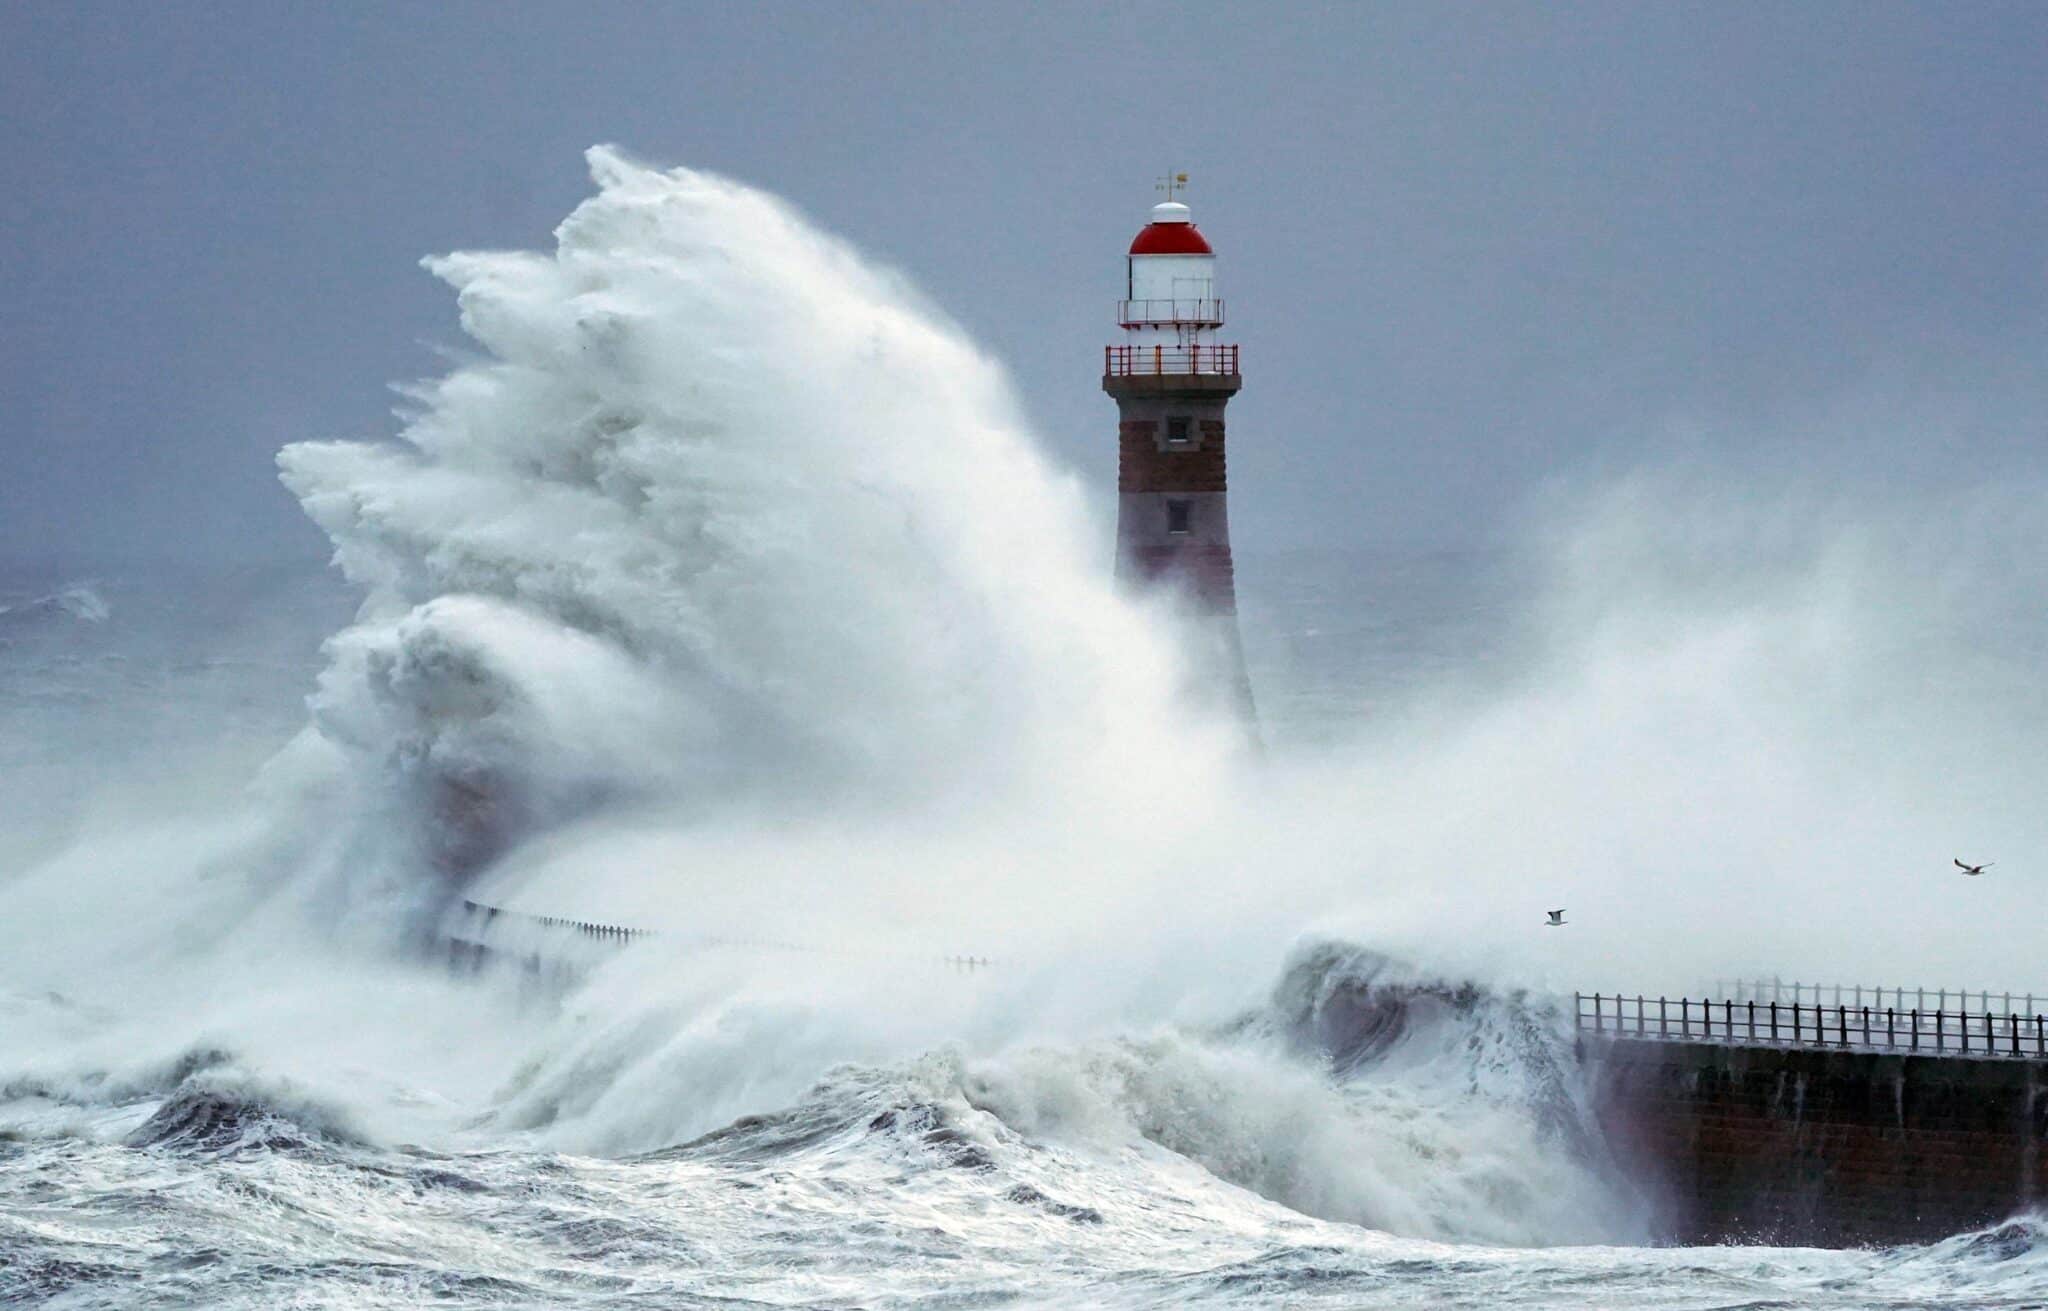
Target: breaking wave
726, 518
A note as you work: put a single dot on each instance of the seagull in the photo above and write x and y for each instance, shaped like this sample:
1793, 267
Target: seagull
1556, 918
1974, 870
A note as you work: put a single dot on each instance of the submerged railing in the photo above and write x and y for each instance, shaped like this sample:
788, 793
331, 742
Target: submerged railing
1752, 1023
601, 932
618, 935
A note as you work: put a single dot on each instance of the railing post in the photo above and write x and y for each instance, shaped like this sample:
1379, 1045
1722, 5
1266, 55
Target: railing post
1774, 1021
2014, 1022
1889, 1016
1596, 1014
1728, 1020
1842, 1020
1752, 1022
1663, 1020
1915, 1022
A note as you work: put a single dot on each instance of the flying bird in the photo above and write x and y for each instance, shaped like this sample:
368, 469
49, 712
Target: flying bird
1974, 870
1556, 918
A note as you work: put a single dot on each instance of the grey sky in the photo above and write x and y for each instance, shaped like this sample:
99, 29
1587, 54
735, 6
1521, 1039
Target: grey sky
1465, 247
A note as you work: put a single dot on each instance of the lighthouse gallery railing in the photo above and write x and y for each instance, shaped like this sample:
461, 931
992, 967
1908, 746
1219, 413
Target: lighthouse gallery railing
1129, 361
1198, 313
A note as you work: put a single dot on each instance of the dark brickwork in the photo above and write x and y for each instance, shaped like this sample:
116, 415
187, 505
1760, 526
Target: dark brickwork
1173, 516
1147, 464
1821, 1148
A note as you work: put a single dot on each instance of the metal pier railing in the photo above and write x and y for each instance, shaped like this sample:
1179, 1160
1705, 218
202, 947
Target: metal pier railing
1847, 1026
1974, 1000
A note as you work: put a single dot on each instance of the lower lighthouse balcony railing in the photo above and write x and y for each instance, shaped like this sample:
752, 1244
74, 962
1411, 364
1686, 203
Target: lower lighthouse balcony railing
1132, 361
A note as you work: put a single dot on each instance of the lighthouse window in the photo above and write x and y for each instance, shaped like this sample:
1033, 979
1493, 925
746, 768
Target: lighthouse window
1177, 516
1177, 431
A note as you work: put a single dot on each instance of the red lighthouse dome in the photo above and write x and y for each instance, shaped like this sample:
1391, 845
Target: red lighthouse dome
1171, 232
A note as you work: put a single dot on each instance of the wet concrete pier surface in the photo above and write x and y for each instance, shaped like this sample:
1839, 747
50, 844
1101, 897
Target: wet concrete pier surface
1811, 1146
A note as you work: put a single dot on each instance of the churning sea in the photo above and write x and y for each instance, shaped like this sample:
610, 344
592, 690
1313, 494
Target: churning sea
1277, 1154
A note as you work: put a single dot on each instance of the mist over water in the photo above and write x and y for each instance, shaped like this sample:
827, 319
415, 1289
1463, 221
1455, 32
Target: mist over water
724, 593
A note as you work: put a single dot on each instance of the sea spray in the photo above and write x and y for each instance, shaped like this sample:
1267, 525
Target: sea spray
725, 518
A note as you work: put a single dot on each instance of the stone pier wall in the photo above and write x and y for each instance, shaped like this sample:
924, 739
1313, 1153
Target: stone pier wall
1821, 1148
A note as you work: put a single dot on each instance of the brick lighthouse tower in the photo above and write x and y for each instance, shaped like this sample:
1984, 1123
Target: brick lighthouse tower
1171, 379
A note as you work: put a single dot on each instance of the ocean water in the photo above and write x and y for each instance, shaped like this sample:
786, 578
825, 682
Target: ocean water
696, 603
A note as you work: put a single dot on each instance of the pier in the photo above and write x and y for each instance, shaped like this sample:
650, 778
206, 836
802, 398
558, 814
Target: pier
1823, 1116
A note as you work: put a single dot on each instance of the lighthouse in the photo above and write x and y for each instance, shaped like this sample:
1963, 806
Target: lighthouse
1171, 379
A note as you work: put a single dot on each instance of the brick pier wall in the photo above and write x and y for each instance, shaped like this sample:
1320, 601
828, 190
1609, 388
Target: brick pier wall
1821, 1148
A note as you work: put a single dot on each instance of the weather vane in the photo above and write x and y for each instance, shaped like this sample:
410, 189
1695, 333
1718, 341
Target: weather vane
1172, 183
